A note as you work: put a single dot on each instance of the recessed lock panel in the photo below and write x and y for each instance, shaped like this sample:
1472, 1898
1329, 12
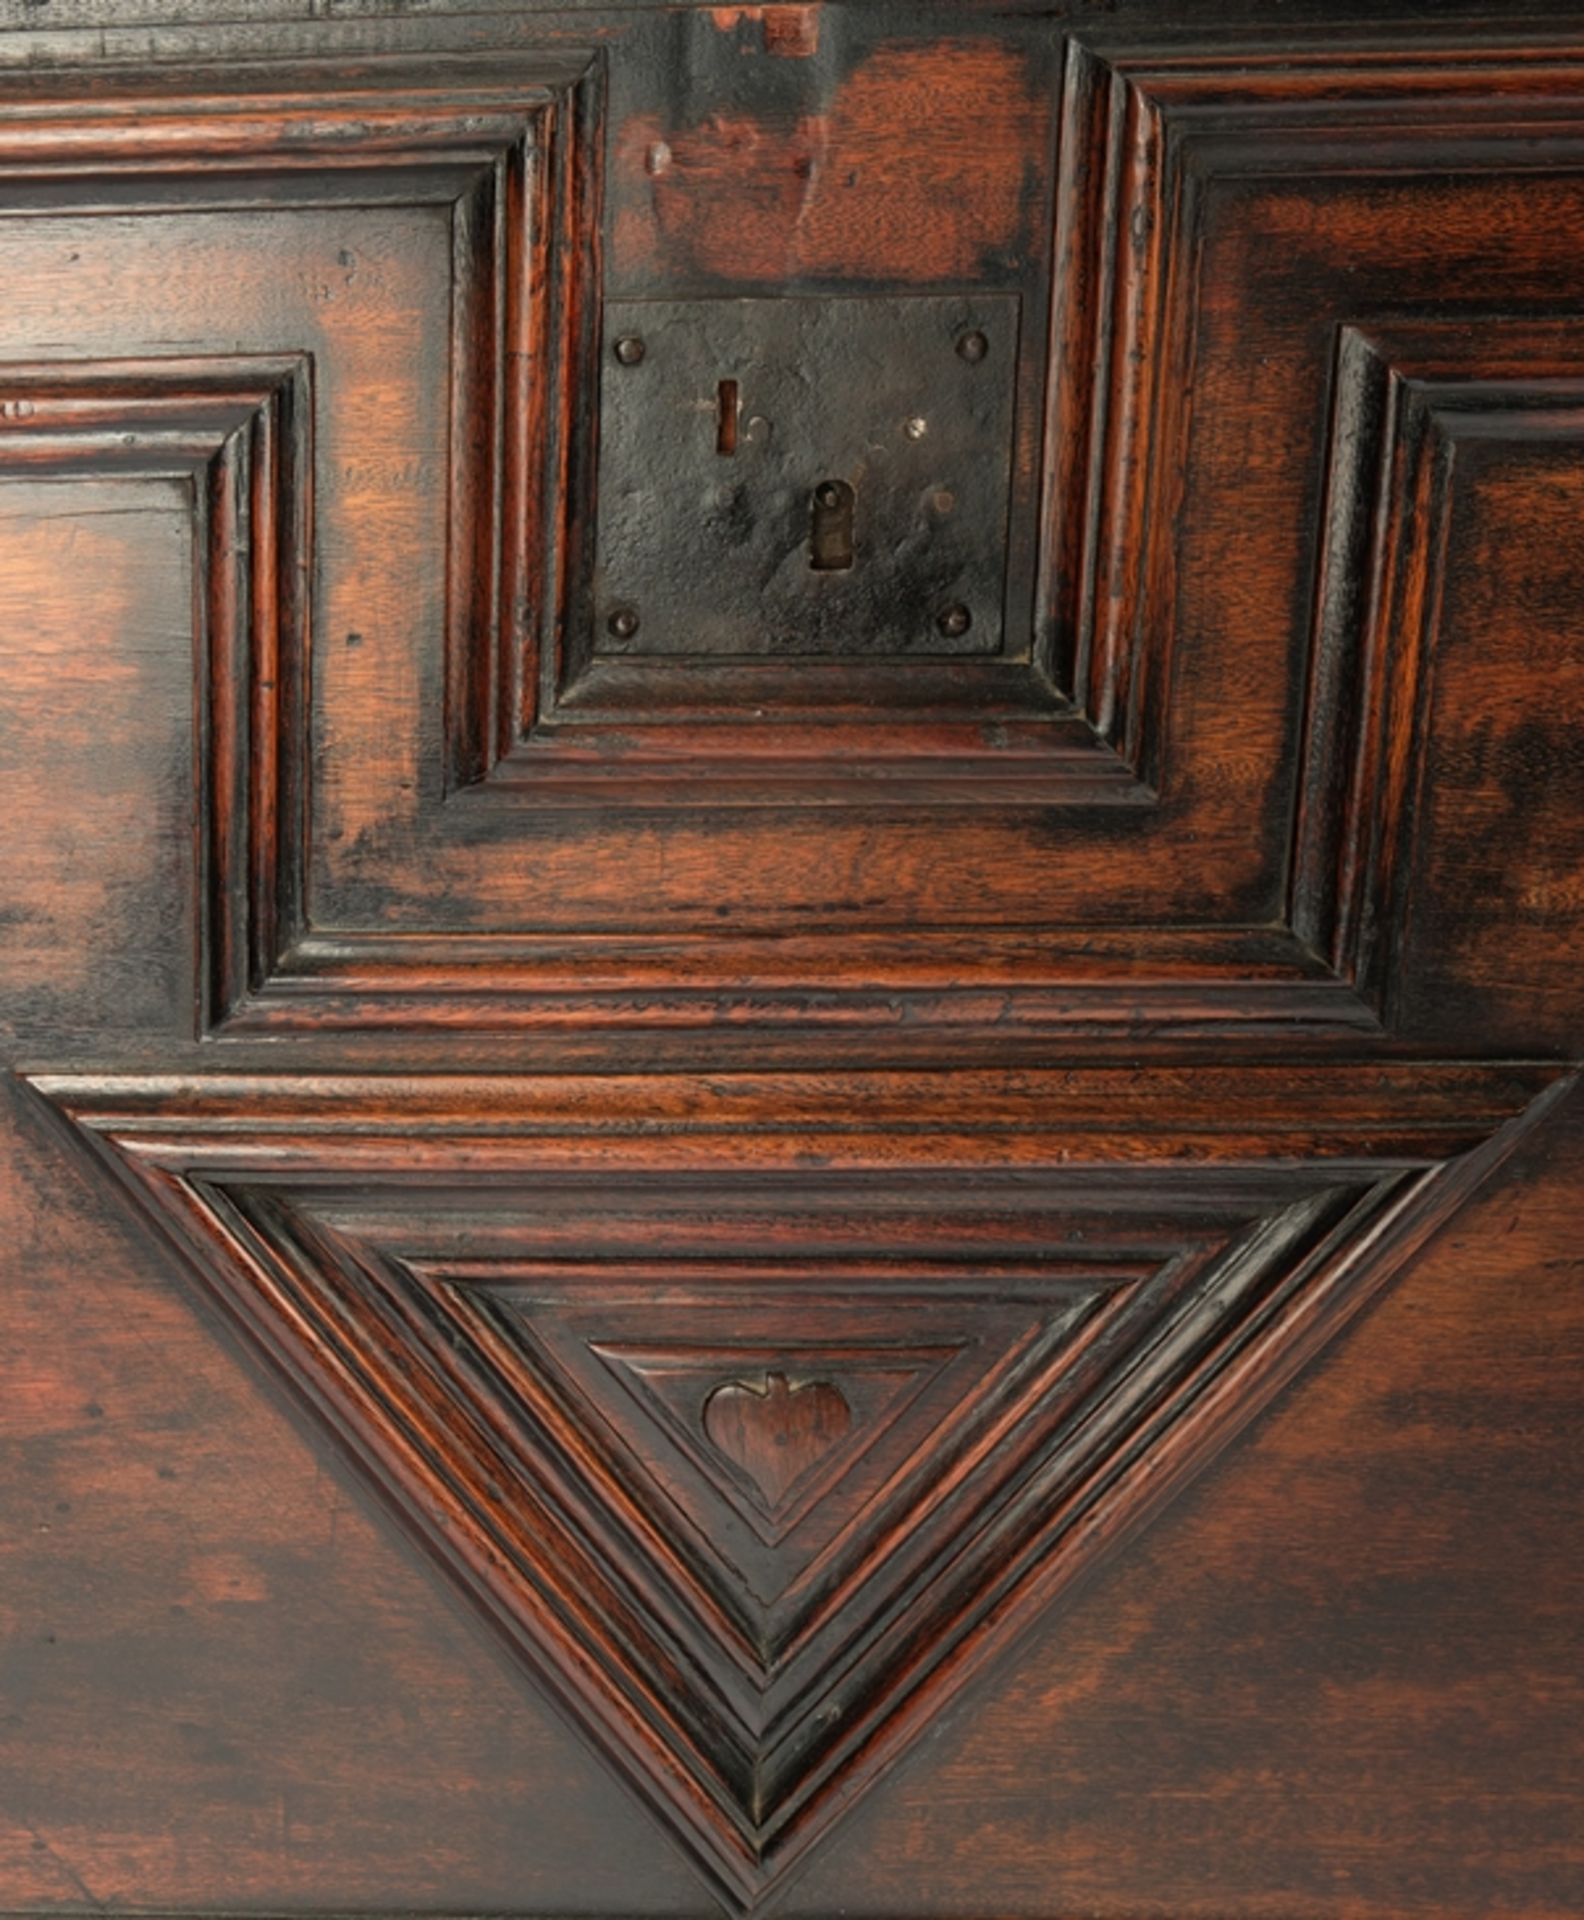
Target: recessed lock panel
788, 476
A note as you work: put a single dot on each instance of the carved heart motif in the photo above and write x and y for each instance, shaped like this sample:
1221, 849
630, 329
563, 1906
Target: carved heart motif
775, 1432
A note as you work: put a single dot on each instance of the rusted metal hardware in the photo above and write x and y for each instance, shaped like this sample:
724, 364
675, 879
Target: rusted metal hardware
805, 477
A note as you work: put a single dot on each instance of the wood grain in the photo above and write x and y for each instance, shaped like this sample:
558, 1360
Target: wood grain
732, 1269
219, 1671
1341, 1674
1137, 856
440, 1282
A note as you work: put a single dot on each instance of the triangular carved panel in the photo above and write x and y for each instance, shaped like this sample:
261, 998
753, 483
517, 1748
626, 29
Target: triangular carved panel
569, 1373
968, 1343
774, 1429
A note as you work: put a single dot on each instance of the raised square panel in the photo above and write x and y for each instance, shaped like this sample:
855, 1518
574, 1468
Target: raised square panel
1447, 639
96, 930
306, 335
1495, 876
1257, 339
1174, 799
233, 437
922, 882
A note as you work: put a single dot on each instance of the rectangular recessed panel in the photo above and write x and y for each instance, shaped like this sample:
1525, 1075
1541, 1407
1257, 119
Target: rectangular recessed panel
795, 476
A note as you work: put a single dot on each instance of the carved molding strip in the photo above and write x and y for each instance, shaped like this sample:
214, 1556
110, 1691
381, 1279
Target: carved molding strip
1406, 398
508, 158
1148, 131
1146, 137
238, 432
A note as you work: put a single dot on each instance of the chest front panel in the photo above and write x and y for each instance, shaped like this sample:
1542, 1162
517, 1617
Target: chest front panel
794, 873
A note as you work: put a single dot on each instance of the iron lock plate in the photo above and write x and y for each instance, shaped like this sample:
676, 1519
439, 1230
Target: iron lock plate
800, 477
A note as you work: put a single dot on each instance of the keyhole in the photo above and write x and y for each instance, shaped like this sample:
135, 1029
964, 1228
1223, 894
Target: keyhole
728, 412
831, 527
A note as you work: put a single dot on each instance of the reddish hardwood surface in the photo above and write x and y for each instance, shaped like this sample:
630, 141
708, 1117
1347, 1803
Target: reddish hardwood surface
1341, 1670
902, 1283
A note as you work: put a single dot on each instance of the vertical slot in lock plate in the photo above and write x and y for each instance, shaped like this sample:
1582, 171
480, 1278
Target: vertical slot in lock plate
796, 477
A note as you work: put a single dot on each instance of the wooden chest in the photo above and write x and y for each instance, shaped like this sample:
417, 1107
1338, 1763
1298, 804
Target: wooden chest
791, 912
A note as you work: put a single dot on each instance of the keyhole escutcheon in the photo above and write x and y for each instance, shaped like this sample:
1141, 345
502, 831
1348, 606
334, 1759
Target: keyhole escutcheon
831, 527
728, 415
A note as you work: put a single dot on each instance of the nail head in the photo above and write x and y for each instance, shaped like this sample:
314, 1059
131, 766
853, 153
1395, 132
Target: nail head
630, 350
973, 346
954, 621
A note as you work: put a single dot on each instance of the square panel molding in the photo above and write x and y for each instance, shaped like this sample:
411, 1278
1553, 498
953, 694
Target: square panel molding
1128, 858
